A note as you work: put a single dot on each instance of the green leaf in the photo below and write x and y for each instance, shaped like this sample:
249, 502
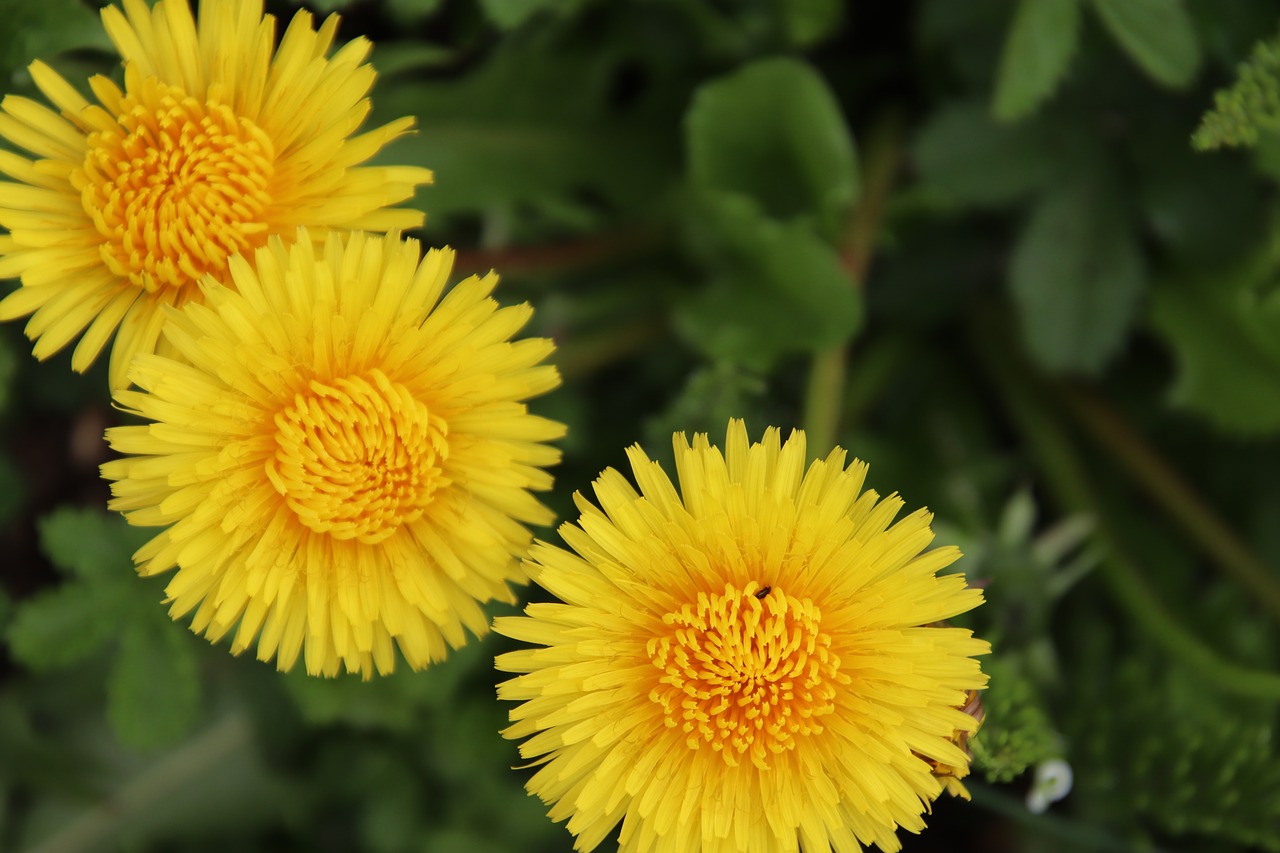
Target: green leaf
509, 14
808, 22
773, 131
324, 7
42, 30
710, 397
965, 158
1249, 105
1017, 733
1036, 55
65, 625
413, 9
1158, 35
410, 56
1205, 211
525, 126
91, 544
153, 694
781, 289
393, 702
1224, 330
1076, 275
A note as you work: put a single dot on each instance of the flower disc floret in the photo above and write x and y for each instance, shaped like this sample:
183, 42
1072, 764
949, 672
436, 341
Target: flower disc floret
176, 188
746, 672
217, 140
358, 458
748, 662
340, 459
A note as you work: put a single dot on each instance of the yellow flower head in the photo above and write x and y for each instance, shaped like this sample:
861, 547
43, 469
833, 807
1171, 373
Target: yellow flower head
212, 147
748, 664
338, 461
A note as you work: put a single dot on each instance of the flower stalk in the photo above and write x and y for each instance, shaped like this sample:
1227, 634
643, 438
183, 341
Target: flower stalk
1064, 473
824, 394
1169, 490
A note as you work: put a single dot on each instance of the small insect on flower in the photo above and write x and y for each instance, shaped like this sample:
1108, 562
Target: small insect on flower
670, 692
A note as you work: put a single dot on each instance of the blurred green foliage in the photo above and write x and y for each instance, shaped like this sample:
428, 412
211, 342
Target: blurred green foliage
971, 242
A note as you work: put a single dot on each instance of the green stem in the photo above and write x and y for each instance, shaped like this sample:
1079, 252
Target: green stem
150, 789
822, 399
1065, 476
1166, 488
824, 392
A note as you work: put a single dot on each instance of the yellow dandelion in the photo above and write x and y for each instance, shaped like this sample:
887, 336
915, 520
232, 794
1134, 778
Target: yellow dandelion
212, 147
748, 664
341, 464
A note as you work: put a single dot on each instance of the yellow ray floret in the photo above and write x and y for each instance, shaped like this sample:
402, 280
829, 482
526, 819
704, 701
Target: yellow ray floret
339, 453
748, 664
217, 141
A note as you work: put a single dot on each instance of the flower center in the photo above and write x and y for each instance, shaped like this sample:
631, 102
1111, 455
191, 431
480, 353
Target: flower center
746, 672
358, 458
176, 187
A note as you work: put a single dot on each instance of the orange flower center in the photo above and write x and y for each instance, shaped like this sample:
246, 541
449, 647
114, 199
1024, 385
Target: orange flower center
746, 672
176, 187
358, 458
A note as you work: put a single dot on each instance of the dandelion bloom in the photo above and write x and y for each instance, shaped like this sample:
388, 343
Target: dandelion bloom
212, 147
341, 464
750, 664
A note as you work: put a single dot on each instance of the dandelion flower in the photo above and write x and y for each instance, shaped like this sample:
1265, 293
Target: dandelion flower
749, 664
212, 147
341, 464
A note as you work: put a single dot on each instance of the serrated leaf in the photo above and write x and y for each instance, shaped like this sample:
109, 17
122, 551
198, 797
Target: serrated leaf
964, 157
1249, 106
153, 694
1076, 275
1225, 332
65, 625
781, 289
773, 131
1037, 53
1158, 35
91, 544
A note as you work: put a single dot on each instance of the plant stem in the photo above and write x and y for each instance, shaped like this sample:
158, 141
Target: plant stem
825, 389
518, 261
97, 827
1169, 490
1064, 473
